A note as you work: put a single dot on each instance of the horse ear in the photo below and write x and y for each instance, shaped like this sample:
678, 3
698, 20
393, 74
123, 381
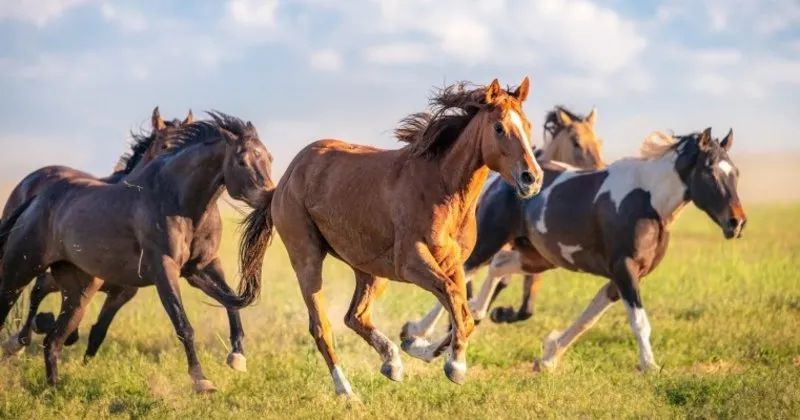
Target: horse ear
522, 91
564, 118
704, 141
592, 117
156, 121
727, 142
189, 118
493, 91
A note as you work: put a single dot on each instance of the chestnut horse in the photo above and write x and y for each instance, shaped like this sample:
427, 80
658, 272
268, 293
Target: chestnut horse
615, 223
144, 148
406, 215
140, 232
572, 139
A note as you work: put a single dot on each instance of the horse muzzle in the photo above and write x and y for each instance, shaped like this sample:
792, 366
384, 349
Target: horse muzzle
528, 183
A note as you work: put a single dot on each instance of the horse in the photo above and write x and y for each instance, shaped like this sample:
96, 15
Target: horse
405, 215
143, 149
140, 232
572, 139
615, 223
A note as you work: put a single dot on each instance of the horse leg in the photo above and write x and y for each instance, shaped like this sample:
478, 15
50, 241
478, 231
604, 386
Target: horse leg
77, 288
213, 276
117, 297
557, 342
359, 319
530, 289
425, 272
166, 276
45, 284
17, 267
627, 281
423, 329
503, 265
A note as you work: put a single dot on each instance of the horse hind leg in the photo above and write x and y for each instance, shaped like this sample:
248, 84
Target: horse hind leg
18, 268
359, 319
44, 285
117, 297
78, 288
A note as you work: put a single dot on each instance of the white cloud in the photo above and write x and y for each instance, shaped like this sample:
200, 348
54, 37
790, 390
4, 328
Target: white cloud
252, 13
706, 57
712, 83
397, 53
129, 20
39, 12
326, 60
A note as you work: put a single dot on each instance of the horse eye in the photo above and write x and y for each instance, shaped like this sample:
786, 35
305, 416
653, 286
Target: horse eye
498, 128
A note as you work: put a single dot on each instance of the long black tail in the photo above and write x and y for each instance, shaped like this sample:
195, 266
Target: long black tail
256, 237
7, 225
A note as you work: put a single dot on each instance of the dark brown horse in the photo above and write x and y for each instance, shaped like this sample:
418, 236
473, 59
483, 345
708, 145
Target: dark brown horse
615, 222
569, 138
144, 148
140, 232
405, 215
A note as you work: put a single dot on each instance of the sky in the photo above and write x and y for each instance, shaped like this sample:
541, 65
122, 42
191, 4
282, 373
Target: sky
77, 75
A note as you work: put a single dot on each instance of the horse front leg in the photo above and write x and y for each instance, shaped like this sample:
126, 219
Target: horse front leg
116, 299
211, 279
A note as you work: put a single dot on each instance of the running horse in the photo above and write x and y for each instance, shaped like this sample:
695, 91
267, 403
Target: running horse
615, 223
144, 148
406, 215
569, 138
140, 232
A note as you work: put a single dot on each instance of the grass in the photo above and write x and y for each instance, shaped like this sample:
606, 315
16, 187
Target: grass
725, 318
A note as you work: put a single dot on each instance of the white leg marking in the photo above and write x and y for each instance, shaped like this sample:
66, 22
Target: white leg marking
424, 327
340, 382
567, 251
503, 264
380, 341
556, 344
641, 329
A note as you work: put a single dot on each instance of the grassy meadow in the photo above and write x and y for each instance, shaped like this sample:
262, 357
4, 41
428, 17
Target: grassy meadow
725, 317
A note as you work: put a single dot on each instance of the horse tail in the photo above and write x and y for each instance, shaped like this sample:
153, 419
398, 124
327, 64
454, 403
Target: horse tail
7, 225
256, 237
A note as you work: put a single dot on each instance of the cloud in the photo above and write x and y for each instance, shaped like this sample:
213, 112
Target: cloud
397, 53
252, 13
129, 20
326, 60
40, 12
714, 84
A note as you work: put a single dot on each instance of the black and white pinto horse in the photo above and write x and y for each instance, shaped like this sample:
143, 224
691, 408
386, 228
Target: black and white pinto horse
612, 223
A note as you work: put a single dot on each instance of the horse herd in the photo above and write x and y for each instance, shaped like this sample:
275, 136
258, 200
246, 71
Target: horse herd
466, 191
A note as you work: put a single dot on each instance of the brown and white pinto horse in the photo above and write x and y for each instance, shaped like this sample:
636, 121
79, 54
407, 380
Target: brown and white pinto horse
406, 215
615, 223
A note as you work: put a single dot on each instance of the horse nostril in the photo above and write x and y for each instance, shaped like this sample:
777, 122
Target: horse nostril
733, 223
526, 177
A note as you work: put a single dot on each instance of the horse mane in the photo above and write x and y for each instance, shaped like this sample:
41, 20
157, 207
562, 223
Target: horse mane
450, 109
659, 143
207, 131
140, 142
552, 124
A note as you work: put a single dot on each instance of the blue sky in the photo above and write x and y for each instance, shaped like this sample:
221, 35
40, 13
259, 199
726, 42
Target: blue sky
77, 75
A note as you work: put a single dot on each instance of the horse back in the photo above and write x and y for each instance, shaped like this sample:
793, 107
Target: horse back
38, 180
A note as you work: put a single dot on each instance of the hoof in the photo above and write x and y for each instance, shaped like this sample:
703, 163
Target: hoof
456, 372
12, 347
417, 348
44, 322
649, 369
501, 315
409, 331
72, 338
393, 371
237, 362
541, 366
350, 399
203, 386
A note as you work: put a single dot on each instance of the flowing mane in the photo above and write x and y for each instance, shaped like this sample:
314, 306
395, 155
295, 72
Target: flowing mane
138, 145
208, 131
552, 123
431, 132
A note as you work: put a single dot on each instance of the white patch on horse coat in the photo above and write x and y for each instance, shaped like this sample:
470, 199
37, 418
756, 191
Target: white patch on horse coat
340, 382
725, 167
658, 177
545, 194
564, 165
567, 251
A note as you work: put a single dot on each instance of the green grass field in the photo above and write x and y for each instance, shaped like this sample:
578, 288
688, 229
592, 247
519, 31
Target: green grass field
725, 317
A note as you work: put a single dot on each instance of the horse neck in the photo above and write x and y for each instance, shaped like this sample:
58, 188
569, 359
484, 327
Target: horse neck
197, 174
661, 179
462, 167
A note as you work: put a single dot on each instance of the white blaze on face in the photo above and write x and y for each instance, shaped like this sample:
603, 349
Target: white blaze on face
725, 167
526, 142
